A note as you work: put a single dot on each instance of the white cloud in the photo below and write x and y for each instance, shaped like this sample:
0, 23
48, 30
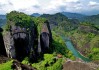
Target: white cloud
93, 3
5, 6
47, 6
63, 5
71, 0
9, 5
3, 1
20, 4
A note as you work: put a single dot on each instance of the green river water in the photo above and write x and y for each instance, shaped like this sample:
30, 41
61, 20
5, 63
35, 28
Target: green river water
74, 51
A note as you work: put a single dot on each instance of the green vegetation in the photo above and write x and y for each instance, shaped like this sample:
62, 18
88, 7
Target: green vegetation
94, 54
15, 18
19, 19
38, 22
60, 47
98, 69
50, 62
6, 66
84, 36
92, 19
85, 39
58, 17
61, 22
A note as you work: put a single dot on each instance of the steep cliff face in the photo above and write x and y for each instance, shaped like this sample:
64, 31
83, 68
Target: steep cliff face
18, 35
9, 45
16, 42
24, 40
45, 37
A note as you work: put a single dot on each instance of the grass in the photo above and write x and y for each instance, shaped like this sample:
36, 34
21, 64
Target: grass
6, 66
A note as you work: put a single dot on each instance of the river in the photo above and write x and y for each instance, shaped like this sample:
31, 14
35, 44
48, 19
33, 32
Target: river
74, 51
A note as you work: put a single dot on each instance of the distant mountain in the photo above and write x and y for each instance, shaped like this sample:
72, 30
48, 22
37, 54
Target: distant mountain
55, 18
61, 21
35, 14
74, 15
92, 19
2, 16
2, 20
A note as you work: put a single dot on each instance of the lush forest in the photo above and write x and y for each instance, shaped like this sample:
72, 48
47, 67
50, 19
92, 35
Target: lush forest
84, 36
58, 46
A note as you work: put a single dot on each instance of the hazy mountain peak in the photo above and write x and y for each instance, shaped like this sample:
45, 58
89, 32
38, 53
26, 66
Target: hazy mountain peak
36, 14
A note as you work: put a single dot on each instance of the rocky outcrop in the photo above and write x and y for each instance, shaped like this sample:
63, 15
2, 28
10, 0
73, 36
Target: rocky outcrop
20, 42
25, 36
16, 42
9, 45
70, 65
16, 65
45, 38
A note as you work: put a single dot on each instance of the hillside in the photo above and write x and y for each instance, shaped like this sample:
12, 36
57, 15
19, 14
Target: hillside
2, 20
58, 17
81, 34
28, 39
58, 20
94, 19
82, 18
84, 35
85, 39
73, 15
39, 42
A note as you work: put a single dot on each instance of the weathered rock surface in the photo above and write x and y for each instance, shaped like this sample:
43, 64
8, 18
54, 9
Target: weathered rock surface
25, 36
45, 38
17, 42
20, 42
16, 65
4, 59
69, 65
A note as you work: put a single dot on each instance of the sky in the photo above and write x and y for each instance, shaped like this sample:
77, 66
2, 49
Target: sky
88, 7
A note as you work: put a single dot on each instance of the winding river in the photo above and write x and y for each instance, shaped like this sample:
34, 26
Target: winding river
74, 51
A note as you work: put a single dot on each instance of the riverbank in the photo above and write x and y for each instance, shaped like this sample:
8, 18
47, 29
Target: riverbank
74, 51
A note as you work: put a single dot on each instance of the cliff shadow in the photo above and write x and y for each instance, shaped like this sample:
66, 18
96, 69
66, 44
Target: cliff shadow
2, 48
21, 49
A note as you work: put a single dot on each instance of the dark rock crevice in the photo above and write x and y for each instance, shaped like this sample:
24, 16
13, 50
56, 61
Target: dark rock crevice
20, 48
2, 48
17, 43
33, 42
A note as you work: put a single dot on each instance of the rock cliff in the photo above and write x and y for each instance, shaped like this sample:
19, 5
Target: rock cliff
22, 39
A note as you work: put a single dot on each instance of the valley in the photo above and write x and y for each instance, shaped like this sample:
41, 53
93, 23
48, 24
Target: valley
49, 41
